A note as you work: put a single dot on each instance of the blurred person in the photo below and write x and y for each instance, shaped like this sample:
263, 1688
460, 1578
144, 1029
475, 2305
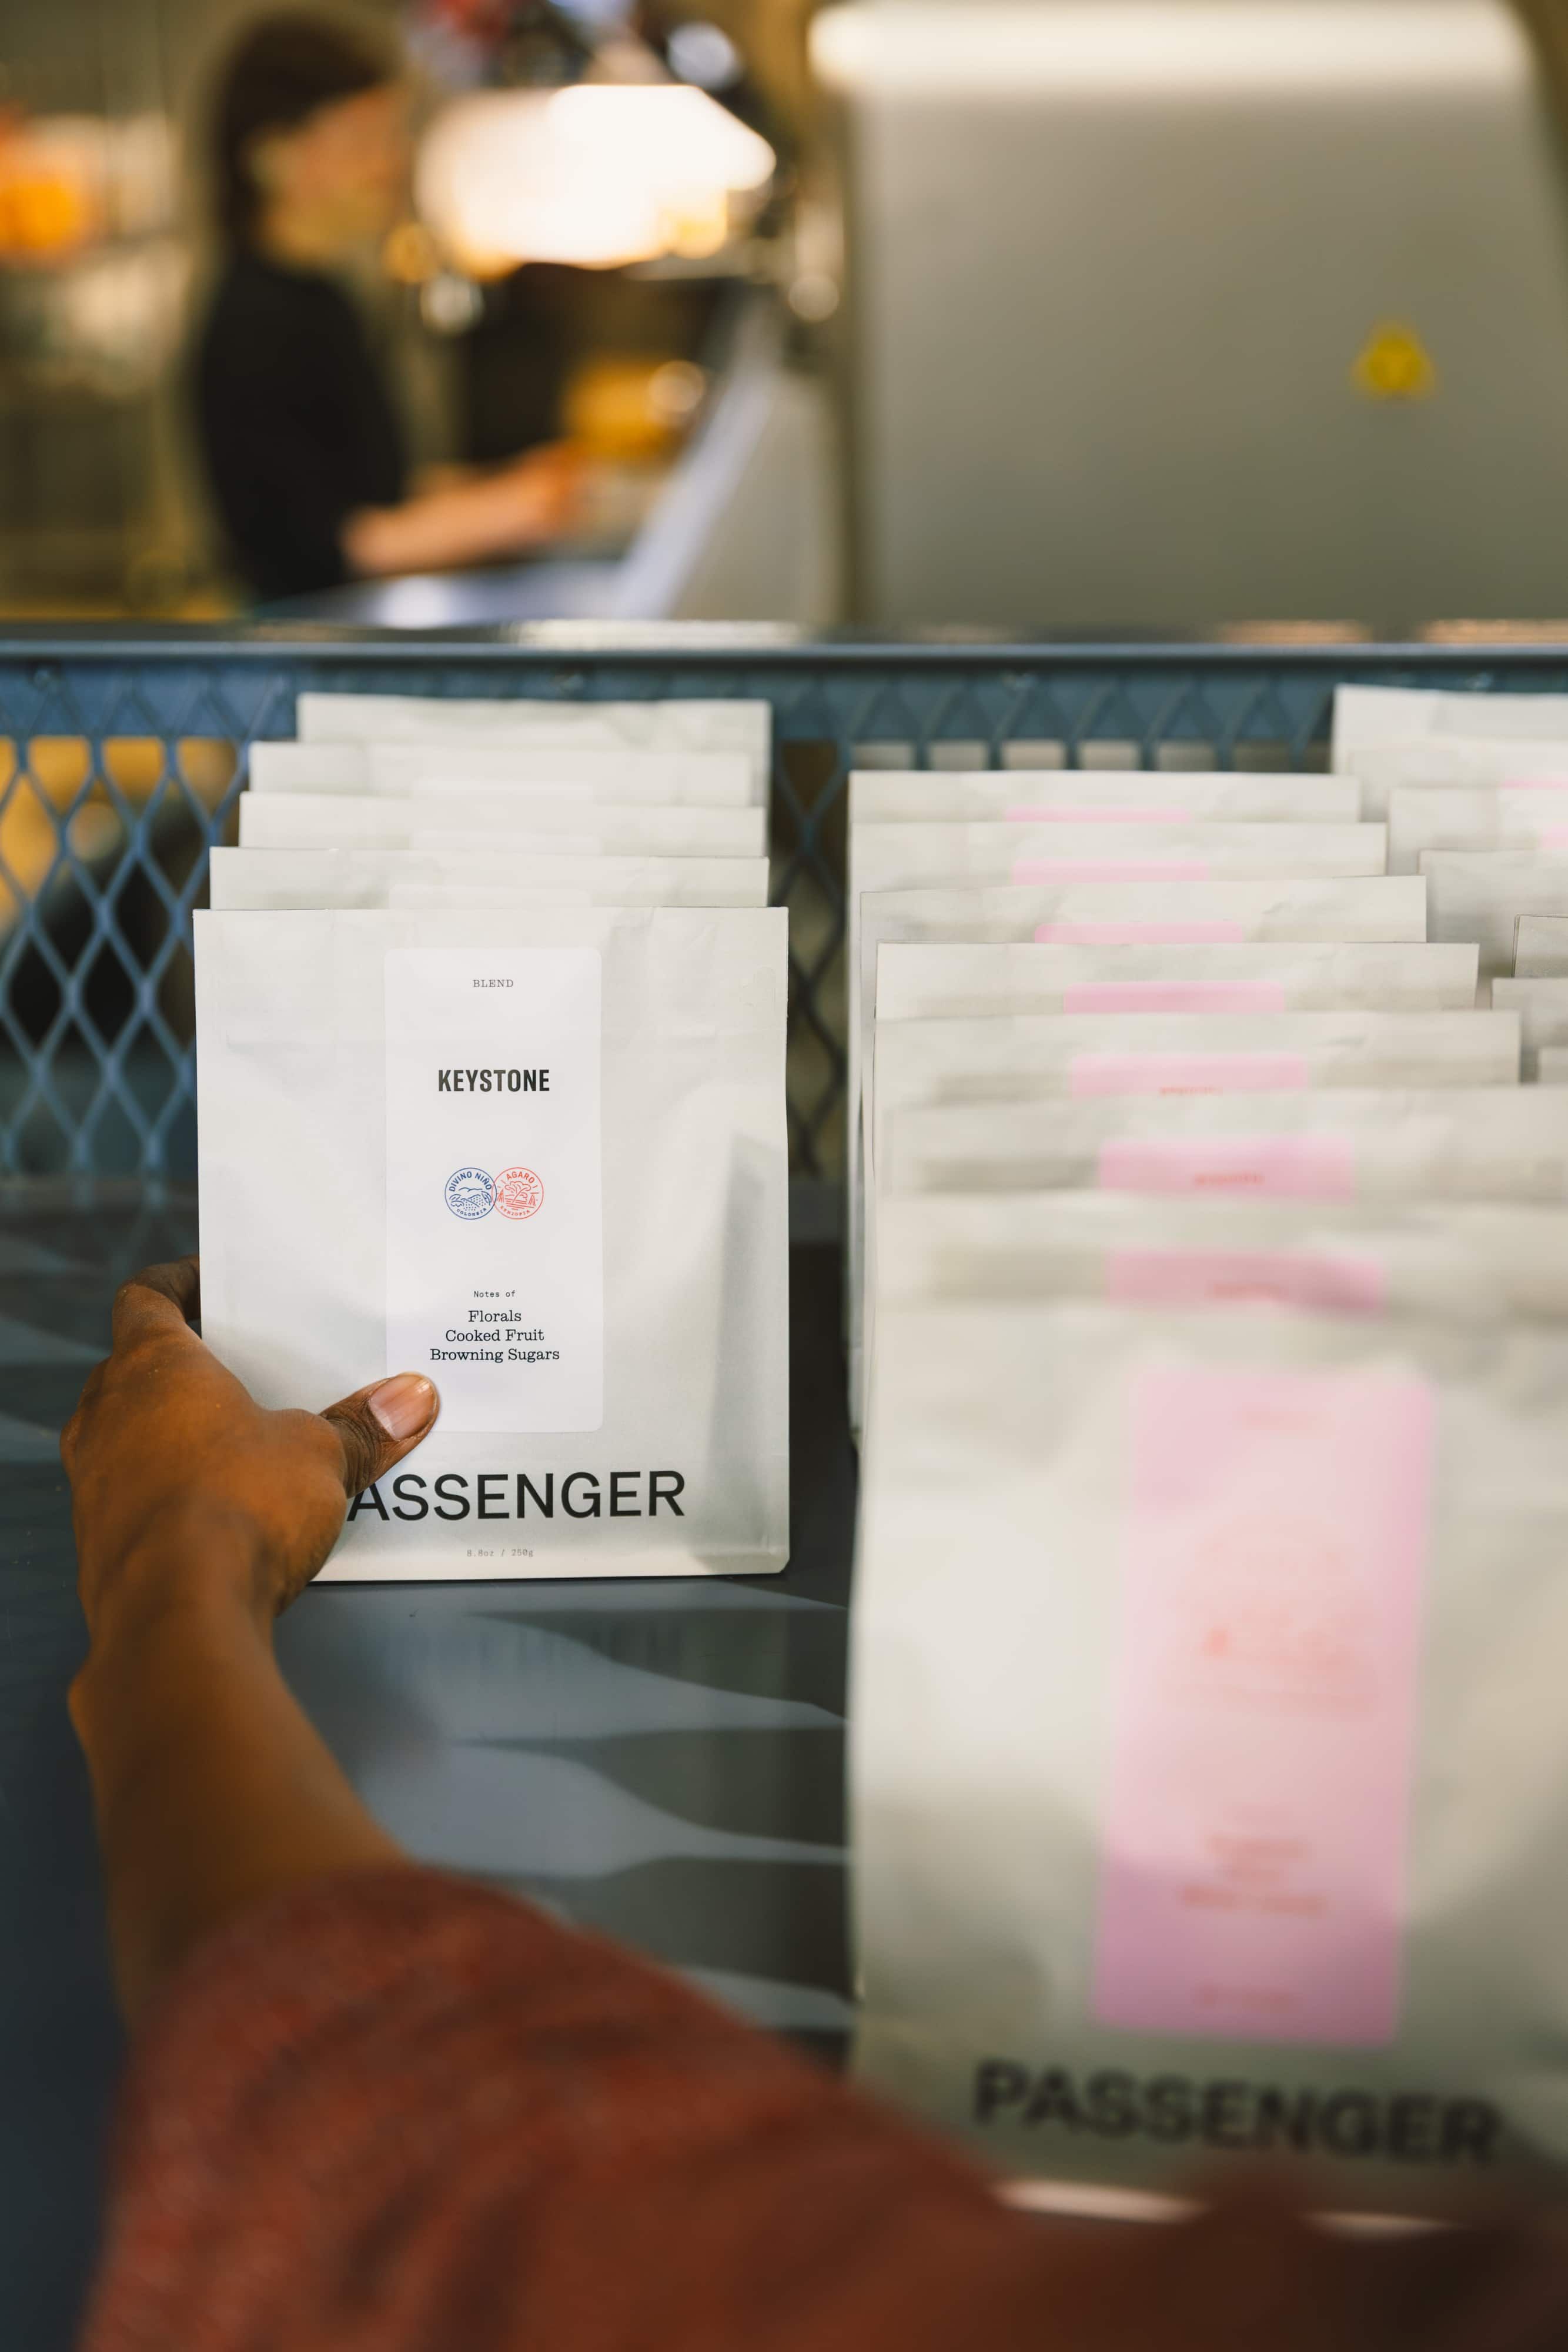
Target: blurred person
372, 2107
302, 441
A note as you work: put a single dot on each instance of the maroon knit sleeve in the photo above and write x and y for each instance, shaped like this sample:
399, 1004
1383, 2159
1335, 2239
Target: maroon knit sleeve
392, 2110
393, 2113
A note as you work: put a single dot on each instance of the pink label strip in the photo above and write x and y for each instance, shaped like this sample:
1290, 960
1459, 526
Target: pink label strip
1253, 1853
1325, 1284
1188, 1074
1175, 996
1108, 869
1139, 935
1264, 1167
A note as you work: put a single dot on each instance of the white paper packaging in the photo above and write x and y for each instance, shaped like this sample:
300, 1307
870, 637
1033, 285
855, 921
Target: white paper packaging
1367, 715
1131, 914
903, 856
915, 981
300, 878
349, 821
1449, 816
1210, 1774
1493, 1144
1018, 1057
1099, 796
591, 1263
1450, 1258
673, 779
1480, 894
743, 727
1542, 1008
1541, 947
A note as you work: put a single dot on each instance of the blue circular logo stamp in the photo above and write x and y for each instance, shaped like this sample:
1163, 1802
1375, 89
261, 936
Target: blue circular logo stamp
470, 1192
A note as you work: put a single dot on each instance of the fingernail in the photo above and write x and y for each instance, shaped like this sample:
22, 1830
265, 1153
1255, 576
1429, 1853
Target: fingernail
403, 1403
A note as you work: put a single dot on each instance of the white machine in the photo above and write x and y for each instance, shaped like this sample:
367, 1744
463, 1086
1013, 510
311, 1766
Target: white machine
1174, 313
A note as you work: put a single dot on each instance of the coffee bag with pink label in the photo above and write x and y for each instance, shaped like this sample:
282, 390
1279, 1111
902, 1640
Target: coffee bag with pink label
1371, 1144
1019, 1057
927, 982
1509, 816
1449, 1257
1099, 915
1209, 1771
539, 1156
1099, 796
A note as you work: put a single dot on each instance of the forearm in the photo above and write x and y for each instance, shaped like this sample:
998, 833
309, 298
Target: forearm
211, 1789
462, 523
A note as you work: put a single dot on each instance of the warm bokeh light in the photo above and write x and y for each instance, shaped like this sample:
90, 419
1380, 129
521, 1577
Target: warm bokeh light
597, 175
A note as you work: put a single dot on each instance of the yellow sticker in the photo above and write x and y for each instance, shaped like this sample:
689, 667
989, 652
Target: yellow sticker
1396, 365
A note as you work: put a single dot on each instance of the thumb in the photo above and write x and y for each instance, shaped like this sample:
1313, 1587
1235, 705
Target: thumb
378, 1425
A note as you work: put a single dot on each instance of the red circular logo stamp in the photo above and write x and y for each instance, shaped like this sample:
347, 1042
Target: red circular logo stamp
518, 1192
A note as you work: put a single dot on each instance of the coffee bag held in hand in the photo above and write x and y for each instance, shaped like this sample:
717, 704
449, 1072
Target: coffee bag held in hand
1209, 1772
539, 1156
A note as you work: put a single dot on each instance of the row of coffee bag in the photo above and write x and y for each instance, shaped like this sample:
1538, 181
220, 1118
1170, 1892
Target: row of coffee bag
1208, 1780
490, 1012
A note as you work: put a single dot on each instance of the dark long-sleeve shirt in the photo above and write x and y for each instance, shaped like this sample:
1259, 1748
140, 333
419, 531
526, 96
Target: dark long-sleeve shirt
296, 424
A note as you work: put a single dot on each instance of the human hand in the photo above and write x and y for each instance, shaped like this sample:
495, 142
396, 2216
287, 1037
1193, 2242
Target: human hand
177, 1474
542, 494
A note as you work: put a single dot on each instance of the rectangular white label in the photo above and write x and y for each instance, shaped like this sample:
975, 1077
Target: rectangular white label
495, 1229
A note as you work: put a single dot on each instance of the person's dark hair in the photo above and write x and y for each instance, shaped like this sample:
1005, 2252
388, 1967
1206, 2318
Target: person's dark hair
280, 70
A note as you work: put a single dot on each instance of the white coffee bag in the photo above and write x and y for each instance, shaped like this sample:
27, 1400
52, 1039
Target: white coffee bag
1541, 947
1367, 715
594, 829
1447, 816
542, 1159
302, 879
1209, 1772
677, 778
1025, 1056
905, 856
1481, 895
1454, 763
1542, 1008
1098, 915
1449, 1257
1493, 1144
1015, 1058
921, 983
736, 726
1099, 796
